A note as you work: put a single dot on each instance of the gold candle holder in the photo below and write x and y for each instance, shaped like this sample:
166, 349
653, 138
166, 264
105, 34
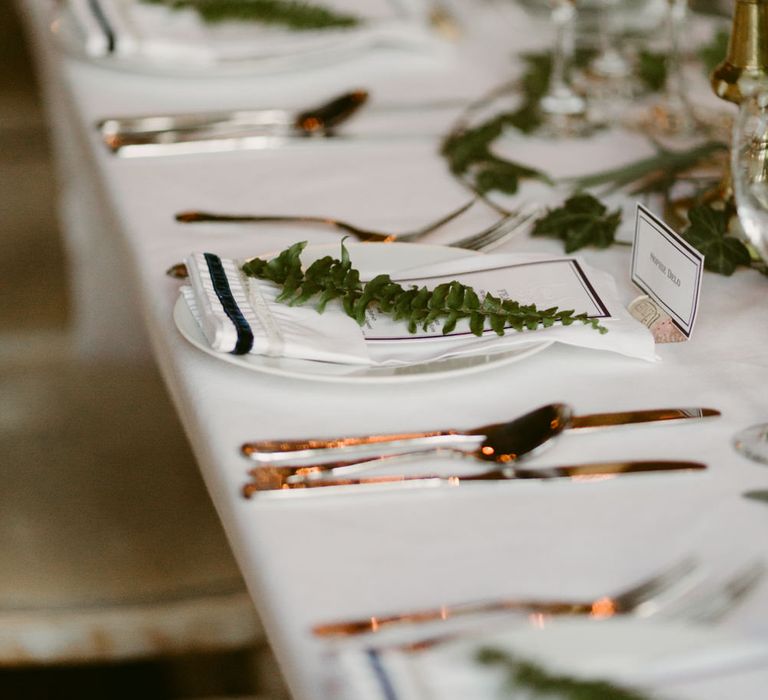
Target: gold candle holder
747, 50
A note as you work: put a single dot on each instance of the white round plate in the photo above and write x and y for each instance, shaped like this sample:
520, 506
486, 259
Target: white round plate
336, 46
370, 259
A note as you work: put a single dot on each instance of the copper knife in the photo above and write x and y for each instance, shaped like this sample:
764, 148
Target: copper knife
264, 479
225, 131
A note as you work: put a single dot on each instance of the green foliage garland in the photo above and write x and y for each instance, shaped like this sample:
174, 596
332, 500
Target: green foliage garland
583, 220
655, 174
468, 149
524, 675
328, 279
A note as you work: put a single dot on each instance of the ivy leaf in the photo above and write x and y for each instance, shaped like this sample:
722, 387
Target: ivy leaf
652, 69
467, 146
713, 53
710, 8
535, 78
581, 221
468, 154
503, 175
534, 84
708, 233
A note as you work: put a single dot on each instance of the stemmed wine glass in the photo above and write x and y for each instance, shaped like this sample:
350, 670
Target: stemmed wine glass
608, 78
565, 111
749, 176
672, 114
610, 62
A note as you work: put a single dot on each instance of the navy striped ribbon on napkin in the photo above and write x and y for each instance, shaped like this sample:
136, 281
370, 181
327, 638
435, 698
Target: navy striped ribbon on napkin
106, 27
224, 293
381, 675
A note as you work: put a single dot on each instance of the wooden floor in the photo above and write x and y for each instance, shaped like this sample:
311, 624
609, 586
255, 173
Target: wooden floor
38, 381
223, 677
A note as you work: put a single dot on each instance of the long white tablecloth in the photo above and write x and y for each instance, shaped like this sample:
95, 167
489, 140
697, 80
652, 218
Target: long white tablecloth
311, 559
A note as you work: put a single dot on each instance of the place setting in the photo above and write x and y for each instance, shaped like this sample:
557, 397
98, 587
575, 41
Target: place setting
344, 313
372, 345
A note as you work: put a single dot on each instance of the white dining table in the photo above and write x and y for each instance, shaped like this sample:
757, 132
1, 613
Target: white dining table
313, 557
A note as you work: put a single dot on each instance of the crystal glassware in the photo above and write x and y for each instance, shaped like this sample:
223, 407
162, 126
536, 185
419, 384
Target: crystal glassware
672, 114
563, 108
608, 79
749, 176
610, 62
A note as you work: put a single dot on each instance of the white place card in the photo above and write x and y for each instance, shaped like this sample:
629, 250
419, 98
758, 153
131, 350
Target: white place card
667, 269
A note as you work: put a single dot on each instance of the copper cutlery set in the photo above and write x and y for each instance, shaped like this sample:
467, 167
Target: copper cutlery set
348, 461
249, 129
678, 592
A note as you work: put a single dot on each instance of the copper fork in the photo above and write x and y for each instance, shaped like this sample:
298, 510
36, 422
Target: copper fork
641, 598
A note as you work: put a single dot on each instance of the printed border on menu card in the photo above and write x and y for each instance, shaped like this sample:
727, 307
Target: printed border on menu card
573, 264
685, 249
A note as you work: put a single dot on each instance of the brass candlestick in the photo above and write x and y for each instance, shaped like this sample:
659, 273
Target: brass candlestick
747, 56
747, 50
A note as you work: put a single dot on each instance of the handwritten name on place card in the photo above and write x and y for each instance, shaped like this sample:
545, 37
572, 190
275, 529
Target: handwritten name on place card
667, 269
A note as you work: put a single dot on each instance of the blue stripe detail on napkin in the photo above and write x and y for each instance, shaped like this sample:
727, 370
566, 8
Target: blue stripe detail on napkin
386, 685
101, 18
228, 303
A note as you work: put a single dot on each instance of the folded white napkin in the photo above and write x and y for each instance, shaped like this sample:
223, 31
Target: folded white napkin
239, 314
668, 658
154, 32
566, 282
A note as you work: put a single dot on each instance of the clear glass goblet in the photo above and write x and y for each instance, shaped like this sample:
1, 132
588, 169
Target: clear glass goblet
749, 176
672, 113
608, 79
564, 109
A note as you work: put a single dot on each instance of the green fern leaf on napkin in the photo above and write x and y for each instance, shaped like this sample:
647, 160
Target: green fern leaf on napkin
756, 495
329, 279
535, 681
582, 220
294, 14
708, 233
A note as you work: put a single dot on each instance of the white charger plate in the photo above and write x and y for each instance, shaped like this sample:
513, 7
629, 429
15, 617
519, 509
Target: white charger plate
675, 659
370, 260
337, 46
